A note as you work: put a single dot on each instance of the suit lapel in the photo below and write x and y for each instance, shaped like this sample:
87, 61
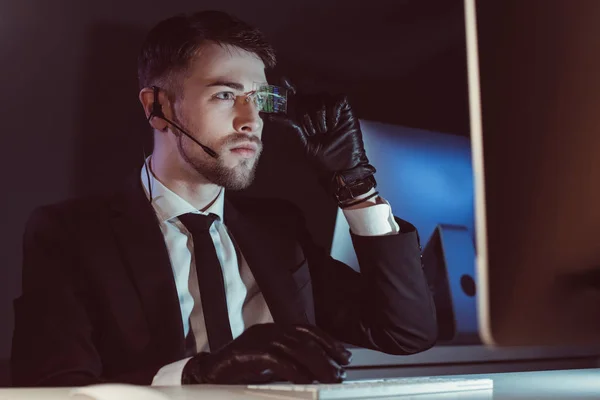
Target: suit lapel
269, 257
141, 241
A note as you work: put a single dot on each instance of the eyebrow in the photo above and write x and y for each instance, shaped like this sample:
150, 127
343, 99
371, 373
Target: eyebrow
233, 85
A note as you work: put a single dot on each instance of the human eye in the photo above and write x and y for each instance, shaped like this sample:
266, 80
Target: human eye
225, 96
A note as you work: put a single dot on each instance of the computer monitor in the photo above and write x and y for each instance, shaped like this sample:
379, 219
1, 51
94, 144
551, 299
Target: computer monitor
534, 87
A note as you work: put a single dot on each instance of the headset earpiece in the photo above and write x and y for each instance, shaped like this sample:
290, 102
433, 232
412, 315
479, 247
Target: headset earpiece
156, 110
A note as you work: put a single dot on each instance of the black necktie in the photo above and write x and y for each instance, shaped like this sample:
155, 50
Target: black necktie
210, 280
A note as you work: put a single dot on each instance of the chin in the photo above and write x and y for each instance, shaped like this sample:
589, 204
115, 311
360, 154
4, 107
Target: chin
239, 179
231, 174
240, 184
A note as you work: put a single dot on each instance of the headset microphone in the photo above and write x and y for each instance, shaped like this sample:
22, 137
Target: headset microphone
156, 111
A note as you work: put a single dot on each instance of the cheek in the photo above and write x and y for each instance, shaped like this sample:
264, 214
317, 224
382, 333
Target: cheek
211, 124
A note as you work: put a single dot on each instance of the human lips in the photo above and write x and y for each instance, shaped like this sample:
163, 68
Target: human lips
245, 149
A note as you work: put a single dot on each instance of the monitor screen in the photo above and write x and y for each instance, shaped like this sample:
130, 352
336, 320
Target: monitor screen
534, 91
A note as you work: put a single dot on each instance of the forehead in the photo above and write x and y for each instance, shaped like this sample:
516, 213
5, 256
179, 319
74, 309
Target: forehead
218, 62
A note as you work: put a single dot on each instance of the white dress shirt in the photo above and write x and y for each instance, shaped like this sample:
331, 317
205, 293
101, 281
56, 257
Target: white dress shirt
245, 303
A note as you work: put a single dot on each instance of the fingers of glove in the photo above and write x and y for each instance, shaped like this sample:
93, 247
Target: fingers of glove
333, 115
253, 377
327, 111
312, 357
287, 84
342, 113
257, 367
308, 125
334, 348
321, 120
342, 103
285, 369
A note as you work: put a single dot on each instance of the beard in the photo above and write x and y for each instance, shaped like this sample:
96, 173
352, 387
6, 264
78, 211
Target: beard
237, 177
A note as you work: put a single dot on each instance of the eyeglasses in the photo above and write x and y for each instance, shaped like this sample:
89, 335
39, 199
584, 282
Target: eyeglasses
268, 98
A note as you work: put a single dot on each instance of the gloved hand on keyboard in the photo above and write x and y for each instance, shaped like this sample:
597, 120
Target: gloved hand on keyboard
264, 353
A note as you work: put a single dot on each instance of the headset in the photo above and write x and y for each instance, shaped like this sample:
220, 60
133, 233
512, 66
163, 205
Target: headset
157, 112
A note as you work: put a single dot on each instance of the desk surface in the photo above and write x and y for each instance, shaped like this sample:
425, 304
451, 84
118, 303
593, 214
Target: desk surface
563, 384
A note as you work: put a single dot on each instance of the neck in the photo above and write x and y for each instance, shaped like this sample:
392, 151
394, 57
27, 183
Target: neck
183, 180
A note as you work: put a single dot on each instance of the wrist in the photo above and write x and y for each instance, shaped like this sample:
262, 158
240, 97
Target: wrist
349, 190
366, 200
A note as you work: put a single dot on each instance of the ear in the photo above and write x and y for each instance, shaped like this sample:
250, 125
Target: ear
146, 97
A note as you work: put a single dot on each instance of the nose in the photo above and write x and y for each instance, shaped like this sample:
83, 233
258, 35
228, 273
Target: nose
247, 119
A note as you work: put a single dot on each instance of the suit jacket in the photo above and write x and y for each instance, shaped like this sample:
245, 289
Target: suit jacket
99, 302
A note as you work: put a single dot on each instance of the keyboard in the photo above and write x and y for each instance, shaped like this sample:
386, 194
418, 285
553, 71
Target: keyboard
375, 388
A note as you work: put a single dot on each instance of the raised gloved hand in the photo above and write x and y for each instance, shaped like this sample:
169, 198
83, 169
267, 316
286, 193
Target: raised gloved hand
270, 352
330, 134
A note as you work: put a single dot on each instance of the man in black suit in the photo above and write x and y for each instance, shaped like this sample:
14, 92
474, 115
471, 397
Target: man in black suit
174, 279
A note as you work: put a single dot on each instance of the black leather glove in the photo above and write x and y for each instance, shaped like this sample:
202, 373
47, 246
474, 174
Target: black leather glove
330, 134
270, 352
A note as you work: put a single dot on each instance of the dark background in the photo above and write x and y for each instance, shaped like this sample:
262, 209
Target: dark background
72, 122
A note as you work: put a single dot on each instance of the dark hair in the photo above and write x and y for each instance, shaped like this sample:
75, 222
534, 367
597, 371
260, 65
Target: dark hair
172, 43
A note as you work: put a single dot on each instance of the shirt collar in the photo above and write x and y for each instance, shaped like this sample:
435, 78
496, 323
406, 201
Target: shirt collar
169, 204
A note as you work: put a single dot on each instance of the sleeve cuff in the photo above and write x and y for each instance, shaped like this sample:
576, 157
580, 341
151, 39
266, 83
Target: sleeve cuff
375, 220
170, 374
